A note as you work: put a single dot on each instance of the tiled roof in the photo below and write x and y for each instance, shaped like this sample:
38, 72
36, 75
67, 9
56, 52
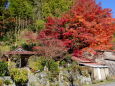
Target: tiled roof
94, 65
20, 51
81, 59
89, 62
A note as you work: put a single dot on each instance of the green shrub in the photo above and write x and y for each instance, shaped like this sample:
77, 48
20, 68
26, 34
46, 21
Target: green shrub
7, 82
3, 68
53, 70
28, 46
67, 59
11, 65
36, 63
19, 75
37, 26
52, 65
1, 82
40, 24
62, 63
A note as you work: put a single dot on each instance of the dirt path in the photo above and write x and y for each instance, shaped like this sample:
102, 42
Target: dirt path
109, 84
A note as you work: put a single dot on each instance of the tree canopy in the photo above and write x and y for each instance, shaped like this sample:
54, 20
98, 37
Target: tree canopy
79, 24
85, 27
55, 7
21, 8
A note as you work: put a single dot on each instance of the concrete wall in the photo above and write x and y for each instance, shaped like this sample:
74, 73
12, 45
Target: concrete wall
107, 58
100, 73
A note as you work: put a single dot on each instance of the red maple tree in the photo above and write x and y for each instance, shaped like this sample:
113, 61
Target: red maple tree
85, 27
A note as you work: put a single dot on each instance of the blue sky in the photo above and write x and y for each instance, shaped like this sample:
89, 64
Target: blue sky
108, 4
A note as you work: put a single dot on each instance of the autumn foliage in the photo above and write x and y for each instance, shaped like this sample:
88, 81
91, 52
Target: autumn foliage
51, 48
85, 27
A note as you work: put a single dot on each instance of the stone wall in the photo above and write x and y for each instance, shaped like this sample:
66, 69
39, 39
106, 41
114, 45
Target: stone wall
7, 78
64, 79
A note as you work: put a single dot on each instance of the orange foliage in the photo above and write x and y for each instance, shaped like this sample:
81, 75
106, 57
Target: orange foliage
86, 26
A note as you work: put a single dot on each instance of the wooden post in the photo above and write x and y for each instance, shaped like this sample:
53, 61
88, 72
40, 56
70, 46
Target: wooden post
20, 63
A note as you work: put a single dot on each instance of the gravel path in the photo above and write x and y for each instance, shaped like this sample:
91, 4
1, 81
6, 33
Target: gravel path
109, 84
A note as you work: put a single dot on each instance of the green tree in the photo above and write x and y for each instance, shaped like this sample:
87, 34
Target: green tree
45, 8
22, 8
37, 8
13, 14
55, 7
2, 6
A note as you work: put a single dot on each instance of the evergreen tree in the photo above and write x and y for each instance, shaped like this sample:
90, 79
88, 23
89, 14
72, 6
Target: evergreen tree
21, 8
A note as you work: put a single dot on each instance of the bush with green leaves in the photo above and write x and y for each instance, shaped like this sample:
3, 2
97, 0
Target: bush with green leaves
1, 82
36, 63
37, 26
67, 59
3, 68
19, 75
52, 65
7, 82
40, 24
53, 71
11, 65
